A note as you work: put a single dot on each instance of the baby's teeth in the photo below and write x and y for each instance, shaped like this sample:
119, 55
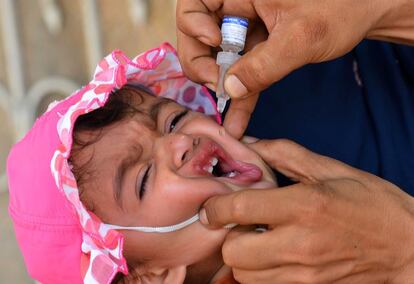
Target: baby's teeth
214, 161
232, 174
210, 169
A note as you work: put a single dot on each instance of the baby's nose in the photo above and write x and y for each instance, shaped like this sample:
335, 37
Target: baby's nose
181, 147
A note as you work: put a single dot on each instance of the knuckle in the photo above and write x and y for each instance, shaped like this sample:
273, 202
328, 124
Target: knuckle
307, 36
270, 14
311, 31
238, 205
282, 146
308, 250
318, 203
363, 185
282, 149
253, 73
259, 70
185, 60
316, 30
310, 276
189, 70
212, 213
320, 198
181, 23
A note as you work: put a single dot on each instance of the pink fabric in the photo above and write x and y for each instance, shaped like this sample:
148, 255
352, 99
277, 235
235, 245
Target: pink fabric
60, 240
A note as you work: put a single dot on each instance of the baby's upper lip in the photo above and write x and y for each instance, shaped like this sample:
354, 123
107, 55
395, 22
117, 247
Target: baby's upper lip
208, 154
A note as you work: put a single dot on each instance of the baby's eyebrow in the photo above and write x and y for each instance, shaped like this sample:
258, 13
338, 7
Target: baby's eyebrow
155, 108
121, 168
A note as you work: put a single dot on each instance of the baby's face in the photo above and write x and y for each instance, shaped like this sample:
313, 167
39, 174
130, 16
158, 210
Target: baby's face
156, 168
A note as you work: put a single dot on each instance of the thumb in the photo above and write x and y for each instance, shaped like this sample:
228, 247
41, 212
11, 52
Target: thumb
238, 116
300, 164
268, 62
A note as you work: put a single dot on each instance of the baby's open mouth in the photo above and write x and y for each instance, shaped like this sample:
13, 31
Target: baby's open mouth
210, 159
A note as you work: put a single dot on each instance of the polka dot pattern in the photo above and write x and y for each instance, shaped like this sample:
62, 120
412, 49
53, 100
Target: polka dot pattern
159, 70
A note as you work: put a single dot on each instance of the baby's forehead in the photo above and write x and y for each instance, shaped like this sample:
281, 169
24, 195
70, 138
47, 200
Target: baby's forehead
133, 129
119, 137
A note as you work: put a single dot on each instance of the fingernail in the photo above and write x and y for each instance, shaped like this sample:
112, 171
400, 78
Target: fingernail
205, 40
203, 217
235, 87
249, 139
210, 86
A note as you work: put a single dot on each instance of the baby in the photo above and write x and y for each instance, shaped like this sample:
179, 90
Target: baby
139, 146
142, 160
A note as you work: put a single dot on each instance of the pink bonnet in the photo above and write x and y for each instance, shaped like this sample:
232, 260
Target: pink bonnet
60, 240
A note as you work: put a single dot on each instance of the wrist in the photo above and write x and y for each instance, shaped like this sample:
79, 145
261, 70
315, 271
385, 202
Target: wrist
406, 273
394, 21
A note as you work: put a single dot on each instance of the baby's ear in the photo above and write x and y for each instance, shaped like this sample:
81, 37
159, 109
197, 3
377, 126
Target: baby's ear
174, 275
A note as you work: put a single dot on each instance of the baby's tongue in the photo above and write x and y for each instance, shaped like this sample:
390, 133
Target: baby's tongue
241, 171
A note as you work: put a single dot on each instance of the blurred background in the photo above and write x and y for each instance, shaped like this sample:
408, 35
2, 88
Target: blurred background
48, 49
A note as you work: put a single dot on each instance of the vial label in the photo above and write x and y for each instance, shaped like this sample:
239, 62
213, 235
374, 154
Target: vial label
234, 30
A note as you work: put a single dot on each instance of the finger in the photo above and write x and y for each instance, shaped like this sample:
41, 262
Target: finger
257, 206
213, 5
249, 139
238, 115
268, 276
268, 62
195, 20
255, 276
296, 273
256, 34
284, 245
240, 230
243, 8
300, 164
260, 251
279, 206
196, 60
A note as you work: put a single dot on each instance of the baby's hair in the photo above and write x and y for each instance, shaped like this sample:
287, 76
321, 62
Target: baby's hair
124, 279
118, 107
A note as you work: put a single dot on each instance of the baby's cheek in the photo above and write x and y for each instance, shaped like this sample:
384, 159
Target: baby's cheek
192, 192
198, 190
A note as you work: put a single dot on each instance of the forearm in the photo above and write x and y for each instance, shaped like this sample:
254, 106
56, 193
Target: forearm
397, 22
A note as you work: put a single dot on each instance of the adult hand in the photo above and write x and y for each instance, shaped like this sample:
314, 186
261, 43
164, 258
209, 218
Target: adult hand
336, 225
283, 36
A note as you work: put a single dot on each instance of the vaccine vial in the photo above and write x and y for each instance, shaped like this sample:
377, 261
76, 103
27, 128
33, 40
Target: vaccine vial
233, 33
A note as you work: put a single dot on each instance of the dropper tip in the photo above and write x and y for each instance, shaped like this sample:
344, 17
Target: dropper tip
221, 104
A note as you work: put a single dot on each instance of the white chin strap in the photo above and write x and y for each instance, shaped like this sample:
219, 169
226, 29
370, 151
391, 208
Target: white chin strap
166, 229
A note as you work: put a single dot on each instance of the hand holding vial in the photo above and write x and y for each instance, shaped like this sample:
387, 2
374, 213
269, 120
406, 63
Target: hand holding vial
233, 30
